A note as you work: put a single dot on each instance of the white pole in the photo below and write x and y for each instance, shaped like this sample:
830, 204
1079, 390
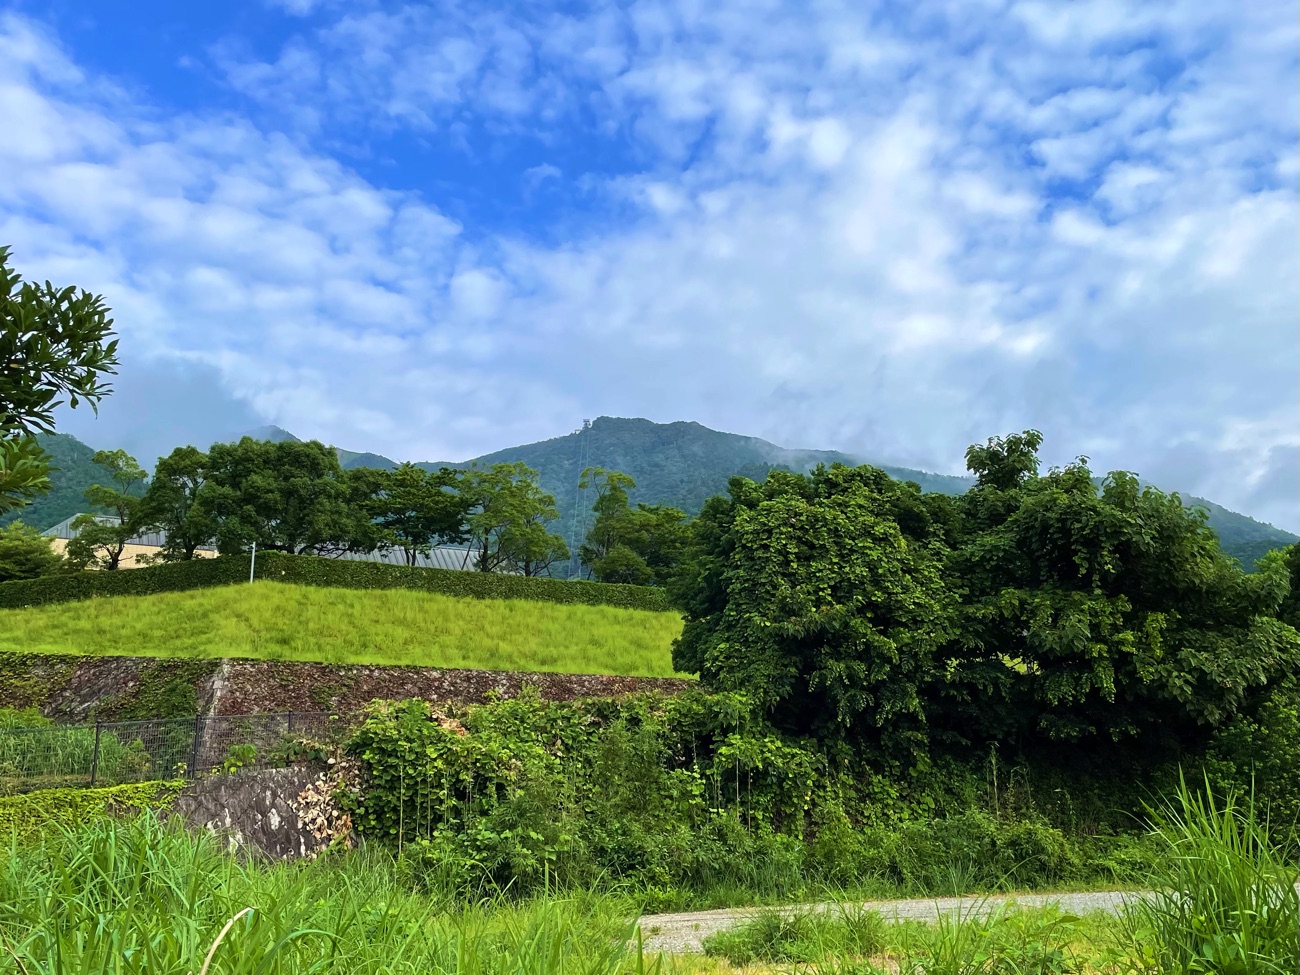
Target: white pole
252, 561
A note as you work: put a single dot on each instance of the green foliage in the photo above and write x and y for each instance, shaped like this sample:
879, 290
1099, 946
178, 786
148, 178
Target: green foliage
1101, 614
306, 570
287, 497
114, 898
63, 756
417, 509
24, 472
1262, 752
100, 541
165, 689
656, 792
958, 854
1224, 900
26, 554
801, 936
198, 574
506, 525
1036, 608
806, 593
54, 343
72, 470
172, 504
690, 799
53, 810
684, 464
1289, 611
642, 545
1002, 942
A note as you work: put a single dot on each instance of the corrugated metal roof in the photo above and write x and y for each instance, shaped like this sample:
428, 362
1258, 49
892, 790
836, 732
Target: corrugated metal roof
443, 557
65, 531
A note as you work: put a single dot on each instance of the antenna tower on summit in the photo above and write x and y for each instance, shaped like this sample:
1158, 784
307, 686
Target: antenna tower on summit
579, 519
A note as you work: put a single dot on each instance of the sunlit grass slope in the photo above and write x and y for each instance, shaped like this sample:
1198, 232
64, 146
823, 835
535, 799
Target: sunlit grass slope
274, 621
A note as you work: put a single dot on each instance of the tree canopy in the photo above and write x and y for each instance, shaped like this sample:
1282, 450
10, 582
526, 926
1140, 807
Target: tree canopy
55, 348
1035, 608
100, 543
640, 545
26, 554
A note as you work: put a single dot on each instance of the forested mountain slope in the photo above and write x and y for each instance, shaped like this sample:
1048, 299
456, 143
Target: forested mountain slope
679, 464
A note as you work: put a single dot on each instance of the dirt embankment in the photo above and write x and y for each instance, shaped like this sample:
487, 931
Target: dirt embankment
69, 688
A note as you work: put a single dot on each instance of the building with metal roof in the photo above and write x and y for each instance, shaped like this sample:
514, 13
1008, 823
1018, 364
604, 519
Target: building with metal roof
150, 543
65, 531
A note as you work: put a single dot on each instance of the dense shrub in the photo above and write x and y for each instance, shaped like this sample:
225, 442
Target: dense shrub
1261, 755
691, 799
318, 571
177, 577
32, 814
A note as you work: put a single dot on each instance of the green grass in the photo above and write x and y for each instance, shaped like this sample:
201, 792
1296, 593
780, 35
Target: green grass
139, 897
136, 897
1224, 898
275, 621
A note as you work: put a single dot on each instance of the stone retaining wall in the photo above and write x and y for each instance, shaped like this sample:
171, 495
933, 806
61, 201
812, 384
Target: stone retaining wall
74, 689
283, 814
249, 687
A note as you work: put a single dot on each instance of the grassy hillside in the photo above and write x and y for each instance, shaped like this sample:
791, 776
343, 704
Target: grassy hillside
274, 621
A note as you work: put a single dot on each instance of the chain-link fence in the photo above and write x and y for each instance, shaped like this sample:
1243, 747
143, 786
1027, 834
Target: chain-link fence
115, 752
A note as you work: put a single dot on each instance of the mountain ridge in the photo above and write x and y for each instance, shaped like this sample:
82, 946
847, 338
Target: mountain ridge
643, 449
682, 464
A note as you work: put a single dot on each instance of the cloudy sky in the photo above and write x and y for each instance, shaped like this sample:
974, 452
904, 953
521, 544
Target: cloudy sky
893, 228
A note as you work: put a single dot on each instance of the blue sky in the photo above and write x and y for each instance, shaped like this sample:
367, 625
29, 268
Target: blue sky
433, 230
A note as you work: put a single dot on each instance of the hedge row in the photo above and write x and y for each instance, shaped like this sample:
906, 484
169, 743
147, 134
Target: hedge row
176, 577
316, 571
25, 815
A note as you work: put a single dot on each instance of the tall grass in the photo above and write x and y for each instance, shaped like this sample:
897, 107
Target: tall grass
140, 897
1224, 898
36, 752
276, 621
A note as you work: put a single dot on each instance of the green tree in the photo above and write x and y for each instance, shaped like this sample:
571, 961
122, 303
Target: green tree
528, 546
804, 593
641, 545
1107, 613
508, 513
1289, 610
24, 472
612, 508
101, 540
419, 509
172, 504
622, 564
288, 496
361, 529
55, 347
26, 554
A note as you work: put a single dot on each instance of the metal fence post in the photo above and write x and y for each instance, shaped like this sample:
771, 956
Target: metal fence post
94, 757
193, 770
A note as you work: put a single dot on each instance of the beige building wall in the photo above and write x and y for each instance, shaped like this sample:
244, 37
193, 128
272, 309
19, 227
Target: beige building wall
130, 554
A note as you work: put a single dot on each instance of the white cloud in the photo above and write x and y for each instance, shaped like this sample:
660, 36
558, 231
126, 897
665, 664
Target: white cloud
834, 227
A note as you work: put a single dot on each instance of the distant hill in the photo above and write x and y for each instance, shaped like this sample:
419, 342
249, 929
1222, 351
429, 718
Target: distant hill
74, 472
684, 463
680, 464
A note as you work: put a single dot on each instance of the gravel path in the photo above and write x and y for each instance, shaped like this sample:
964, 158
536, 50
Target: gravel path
679, 933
